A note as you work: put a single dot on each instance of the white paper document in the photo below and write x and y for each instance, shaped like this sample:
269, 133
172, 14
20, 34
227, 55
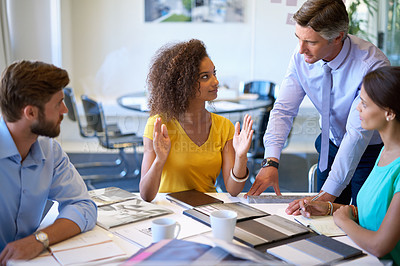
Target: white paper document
89, 253
95, 236
93, 245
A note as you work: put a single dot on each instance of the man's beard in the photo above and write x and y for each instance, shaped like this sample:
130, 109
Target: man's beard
46, 128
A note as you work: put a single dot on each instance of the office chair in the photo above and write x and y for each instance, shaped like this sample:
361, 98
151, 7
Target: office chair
265, 91
73, 115
312, 173
110, 139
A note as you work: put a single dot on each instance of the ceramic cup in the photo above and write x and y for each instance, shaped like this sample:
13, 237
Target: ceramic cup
164, 228
223, 224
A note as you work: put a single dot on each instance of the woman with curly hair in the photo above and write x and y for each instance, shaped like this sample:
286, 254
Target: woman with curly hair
374, 223
185, 146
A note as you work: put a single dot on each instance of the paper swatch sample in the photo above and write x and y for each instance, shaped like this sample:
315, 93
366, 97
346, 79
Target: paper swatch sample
267, 229
181, 252
315, 250
244, 211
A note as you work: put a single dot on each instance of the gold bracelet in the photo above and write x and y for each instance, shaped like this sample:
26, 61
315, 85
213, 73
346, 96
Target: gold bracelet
355, 212
330, 208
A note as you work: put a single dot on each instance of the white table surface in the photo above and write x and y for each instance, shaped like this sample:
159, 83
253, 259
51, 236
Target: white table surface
187, 224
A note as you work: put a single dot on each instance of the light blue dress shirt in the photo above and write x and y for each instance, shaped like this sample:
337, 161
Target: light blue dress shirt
46, 173
355, 60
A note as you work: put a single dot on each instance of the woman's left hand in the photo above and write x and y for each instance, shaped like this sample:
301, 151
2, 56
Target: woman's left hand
343, 214
242, 138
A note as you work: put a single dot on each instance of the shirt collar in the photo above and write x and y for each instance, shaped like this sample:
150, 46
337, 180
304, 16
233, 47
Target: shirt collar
9, 149
340, 58
7, 145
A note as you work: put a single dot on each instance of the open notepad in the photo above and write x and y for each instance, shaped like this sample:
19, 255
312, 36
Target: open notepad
323, 225
87, 247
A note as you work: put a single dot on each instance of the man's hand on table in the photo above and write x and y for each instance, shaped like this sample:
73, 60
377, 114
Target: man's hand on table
22, 249
267, 177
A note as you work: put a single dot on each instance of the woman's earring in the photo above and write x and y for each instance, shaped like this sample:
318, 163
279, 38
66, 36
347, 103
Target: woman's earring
387, 119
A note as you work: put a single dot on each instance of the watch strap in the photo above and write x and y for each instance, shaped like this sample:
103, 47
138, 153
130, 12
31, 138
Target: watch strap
269, 162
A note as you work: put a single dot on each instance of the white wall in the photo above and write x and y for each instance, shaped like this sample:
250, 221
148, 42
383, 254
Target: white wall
107, 47
30, 31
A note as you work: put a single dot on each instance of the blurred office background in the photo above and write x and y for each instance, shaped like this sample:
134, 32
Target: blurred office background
107, 46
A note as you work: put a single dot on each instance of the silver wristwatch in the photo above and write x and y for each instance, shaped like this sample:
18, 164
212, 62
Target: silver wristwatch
43, 238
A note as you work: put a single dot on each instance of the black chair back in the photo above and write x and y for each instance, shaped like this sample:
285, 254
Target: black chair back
73, 115
69, 101
110, 136
94, 114
265, 89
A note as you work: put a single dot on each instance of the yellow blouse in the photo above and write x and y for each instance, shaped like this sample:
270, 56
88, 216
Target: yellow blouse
189, 166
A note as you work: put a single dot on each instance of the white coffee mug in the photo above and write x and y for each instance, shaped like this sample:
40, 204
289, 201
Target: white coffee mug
223, 224
164, 228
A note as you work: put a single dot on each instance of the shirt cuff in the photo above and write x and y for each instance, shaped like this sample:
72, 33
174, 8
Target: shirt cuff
272, 152
333, 187
85, 219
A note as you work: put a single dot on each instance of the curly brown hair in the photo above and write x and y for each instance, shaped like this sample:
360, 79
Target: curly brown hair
173, 79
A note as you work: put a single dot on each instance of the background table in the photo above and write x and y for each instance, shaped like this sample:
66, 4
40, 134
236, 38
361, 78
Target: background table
138, 102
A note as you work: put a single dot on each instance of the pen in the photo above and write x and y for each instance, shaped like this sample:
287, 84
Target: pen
315, 198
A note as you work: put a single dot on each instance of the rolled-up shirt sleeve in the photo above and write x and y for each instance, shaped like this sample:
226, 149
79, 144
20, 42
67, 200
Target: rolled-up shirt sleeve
69, 190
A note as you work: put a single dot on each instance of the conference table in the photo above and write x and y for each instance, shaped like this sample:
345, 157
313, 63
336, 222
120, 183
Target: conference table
124, 241
243, 103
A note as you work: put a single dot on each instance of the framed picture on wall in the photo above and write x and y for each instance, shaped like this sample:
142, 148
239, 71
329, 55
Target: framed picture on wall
212, 11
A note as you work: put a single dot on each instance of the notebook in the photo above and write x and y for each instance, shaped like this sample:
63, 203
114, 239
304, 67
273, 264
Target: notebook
191, 198
323, 225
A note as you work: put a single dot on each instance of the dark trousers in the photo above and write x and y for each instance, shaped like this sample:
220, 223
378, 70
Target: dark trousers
360, 175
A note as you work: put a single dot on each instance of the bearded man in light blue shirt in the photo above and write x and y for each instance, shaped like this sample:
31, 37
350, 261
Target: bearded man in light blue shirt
321, 28
33, 167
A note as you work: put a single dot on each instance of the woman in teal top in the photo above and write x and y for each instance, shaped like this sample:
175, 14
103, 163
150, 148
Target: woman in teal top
375, 224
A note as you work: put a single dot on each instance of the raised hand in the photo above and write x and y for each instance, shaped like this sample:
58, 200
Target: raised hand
242, 138
161, 140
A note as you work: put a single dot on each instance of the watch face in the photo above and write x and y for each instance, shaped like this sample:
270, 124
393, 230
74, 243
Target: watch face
269, 162
42, 237
264, 163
